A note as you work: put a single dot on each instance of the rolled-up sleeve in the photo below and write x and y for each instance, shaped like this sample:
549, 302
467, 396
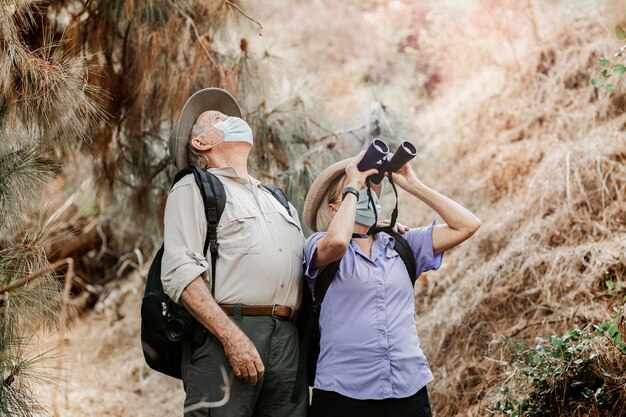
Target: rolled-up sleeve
310, 246
184, 234
421, 243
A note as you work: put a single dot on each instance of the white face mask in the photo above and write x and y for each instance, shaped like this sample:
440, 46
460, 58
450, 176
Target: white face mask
235, 130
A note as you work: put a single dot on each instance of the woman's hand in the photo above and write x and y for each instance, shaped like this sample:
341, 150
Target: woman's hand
460, 222
398, 228
405, 177
357, 178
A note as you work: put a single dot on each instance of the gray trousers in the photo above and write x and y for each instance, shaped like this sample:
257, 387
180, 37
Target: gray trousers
277, 343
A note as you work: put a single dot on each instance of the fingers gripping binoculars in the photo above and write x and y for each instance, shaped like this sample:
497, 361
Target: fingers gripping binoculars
378, 156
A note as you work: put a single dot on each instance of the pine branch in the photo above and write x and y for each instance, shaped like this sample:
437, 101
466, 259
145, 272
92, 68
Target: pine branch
22, 171
40, 273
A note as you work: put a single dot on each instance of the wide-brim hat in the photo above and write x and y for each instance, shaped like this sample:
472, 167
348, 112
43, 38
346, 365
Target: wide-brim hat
320, 186
201, 101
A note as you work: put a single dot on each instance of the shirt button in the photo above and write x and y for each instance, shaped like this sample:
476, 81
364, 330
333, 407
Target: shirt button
381, 308
282, 285
280, 249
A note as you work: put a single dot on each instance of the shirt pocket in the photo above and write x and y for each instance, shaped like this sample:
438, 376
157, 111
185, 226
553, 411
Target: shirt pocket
239, 236
292, 236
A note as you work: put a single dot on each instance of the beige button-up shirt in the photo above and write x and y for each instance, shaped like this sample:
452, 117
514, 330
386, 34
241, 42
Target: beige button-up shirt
260, 244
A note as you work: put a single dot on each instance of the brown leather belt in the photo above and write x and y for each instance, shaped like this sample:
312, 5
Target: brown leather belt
276, 310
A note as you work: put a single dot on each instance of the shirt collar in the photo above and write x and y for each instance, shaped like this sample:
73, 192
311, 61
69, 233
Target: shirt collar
384, 239
230, 172
381, 242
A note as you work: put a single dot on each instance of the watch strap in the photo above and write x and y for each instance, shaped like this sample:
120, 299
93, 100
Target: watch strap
349, 190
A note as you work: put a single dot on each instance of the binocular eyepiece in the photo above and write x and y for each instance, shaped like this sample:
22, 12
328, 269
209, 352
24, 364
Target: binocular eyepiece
378, 156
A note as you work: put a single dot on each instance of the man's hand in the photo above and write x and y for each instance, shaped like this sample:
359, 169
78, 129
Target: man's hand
239, 350
243, 357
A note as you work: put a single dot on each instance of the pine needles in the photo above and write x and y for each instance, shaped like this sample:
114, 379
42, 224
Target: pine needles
46, 109
24, 170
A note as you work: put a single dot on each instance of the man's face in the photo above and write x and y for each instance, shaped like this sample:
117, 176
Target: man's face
209, 118
204, 135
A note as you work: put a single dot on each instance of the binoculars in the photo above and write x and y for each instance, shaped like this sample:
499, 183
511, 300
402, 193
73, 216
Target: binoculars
378, 156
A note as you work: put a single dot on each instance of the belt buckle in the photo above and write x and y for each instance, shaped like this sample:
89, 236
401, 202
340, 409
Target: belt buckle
273, 310
291, 315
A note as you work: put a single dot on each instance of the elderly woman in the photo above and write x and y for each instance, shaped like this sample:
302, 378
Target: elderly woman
371, 362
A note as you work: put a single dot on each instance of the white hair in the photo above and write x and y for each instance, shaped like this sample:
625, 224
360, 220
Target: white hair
194, 157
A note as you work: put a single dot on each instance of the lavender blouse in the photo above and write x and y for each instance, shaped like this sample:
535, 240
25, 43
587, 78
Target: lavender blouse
369, 348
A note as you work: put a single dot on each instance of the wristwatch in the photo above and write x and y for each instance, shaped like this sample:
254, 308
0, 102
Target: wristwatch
349, 190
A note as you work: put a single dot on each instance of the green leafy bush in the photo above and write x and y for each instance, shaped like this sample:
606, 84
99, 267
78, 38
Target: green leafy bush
612, 66
580, 370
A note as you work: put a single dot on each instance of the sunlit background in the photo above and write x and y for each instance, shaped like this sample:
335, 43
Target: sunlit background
497, 96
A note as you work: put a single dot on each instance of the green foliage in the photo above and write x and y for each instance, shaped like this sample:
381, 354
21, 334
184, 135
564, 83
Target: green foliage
46, 110
24, 169
16, 390
553, 367
563, 372
611, 67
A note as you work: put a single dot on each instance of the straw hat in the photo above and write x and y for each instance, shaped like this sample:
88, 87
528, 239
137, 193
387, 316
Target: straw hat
201, 101
319, 188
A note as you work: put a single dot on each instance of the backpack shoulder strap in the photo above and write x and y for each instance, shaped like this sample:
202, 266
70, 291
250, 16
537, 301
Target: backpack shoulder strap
406, 254
214, 199
278, 195
180, 174
322, 282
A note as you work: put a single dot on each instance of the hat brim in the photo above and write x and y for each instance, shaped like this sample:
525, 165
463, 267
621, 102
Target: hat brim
320, 186
201, 101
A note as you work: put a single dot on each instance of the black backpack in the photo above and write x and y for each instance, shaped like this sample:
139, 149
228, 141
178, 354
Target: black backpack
309, 315
161, 353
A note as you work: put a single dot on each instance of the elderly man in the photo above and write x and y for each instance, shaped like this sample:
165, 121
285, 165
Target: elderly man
258, 270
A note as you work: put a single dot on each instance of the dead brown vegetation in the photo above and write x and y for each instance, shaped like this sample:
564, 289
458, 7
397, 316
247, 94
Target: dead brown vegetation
542, 161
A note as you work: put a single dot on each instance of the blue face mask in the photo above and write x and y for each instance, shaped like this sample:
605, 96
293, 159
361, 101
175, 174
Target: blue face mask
235, 130
365, 214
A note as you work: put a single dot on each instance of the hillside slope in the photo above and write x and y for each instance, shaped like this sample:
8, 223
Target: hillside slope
540, 155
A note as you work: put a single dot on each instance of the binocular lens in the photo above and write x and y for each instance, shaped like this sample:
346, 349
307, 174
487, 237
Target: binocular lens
408, 147
380, 146
373, 155
378, 156
406, 151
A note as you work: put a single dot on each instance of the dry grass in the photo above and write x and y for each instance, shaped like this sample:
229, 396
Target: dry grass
541, 158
